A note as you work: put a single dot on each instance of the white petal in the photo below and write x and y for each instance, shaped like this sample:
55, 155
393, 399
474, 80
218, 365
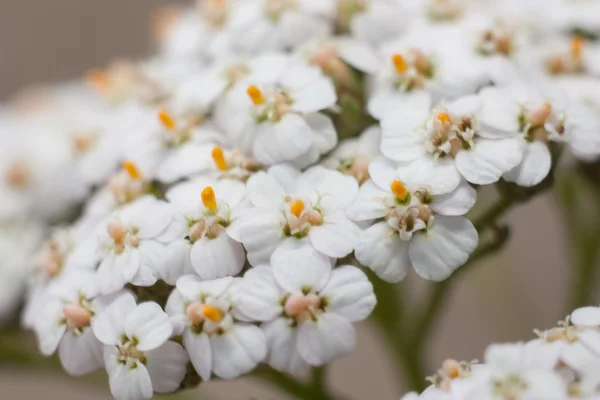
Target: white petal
192, 287
109, 325
238, 351
116, 271
297, 266
175, 309
282, 341
383, 172
187, 160
443, 248
176, 262
264, 190
586, 317
162, 215
534, 167
358, 55
500, 111
336, 237
167, 365
48, 328
282, 141
316, 96
80, 354
457, 202
150, 325
368, 204
488, 160
349, 293
198, 347
130, 383
591, 339
335, 190
325, 340
218, 257
381, 249
324, 134
440, 175
400, 141
260, 295
261, 232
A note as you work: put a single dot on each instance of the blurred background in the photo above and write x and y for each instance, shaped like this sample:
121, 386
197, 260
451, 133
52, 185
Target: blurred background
501, 299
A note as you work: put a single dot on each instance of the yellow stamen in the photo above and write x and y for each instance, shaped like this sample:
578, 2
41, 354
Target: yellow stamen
219, 158
297, 207
399, 63
167, 120
399, 190
212, 313
132, 170
577, 43
208, 198
443, 117
256, 95
98, 79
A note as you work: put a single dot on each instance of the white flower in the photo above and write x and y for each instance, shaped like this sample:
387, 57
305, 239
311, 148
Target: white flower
64, 319
292, 206
537, 116
281, 122
413, 227
417, 64
214, 334
353, 156
138, 355
439, 147
130, 244
373, 22
307, 308
203, 238
510, 373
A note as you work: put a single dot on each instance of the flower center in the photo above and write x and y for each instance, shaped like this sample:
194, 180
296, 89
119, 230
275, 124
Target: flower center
413, 70
128, 184
451, 369
357, 167
235, 164
122, 237
18, 175
76, 316
84, 141
178, 130
537, 123
303, 307
271, 106
569, 62
448, 134
497, 40
408, 211
50, 258
510, 388
209, 223
215, 12
444, 10
129, 354
300, 217
275, 8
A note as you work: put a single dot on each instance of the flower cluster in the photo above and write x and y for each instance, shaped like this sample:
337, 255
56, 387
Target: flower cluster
563, 363
208, 209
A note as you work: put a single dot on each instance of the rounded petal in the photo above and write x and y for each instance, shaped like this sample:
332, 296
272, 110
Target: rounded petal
336, 237
109, 325
282, 141
48, 327
457, 202
128, 383
218, 257
80, 354
443, 248
488, 160
264, 190
238, 351
260, 295
400, 141
349, 293
381, 249
315, 96
383, 172
193, 287
586, 317
331, 189
175, 262
534, 167
298, 266
500, 111
198, 347
282, 341
261, 232
368, 204
328, 338
167, 365
150, 325
440, 176
116, 271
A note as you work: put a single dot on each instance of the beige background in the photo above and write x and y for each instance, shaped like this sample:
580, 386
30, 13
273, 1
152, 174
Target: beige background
503, 299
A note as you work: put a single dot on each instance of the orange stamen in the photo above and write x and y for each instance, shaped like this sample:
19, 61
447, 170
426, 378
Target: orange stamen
577, 43
443, 117
399, 190
399, 63
212, 313
297, 207
208, 198
219, 158
132, 170
167, 120
256, 95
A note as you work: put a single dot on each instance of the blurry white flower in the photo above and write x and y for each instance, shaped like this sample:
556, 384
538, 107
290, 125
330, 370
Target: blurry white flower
202, 238
291, 206
214, 333
130, 244
307, 308
138, 355
418, 228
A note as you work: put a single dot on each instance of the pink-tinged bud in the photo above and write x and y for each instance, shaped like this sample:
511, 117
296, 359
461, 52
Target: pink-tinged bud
195, 313
312, 217
538, 117
295, 305
116, 231
76, 316
312, 300
49, 265
451, 368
